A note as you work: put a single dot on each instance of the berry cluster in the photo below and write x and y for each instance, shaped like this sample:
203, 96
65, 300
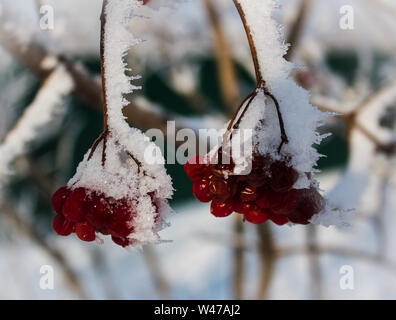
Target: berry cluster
85, 212
265, 193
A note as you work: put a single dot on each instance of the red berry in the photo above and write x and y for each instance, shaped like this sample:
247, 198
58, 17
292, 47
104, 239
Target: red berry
196, 168
123, 242
283, 177
220, 189
249, 193
278, 219
201, 190
59, 198
260, 171
221, 209
97, 210
121, 222
311, 203
256, 215
85, 231
285, 203
103, 230
62, 226
265, 200
73, 207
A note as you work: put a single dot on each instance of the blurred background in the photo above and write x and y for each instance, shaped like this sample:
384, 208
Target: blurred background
195, 68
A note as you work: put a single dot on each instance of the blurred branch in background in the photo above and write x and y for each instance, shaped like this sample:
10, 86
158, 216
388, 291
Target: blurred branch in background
30, 231
296, 29
267, 258
226, 70
42, 62
154, 265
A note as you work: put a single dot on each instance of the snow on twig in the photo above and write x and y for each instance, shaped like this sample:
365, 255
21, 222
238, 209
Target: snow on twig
46, 105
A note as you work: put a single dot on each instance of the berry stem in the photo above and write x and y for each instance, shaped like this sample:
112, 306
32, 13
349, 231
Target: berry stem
102, 64
261, 84
106, 130
253, 50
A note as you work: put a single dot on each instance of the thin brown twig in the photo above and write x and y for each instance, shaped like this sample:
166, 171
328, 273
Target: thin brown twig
261, 83
238, 254
266, 250
314, 269
297, 27
153, 264
252, 45
226, 69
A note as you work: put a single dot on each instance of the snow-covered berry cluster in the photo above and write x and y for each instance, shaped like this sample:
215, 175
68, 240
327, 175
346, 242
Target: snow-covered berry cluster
266, 193
85, 212
119, 189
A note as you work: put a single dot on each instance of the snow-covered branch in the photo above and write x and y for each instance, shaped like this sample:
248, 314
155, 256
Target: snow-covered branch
47, 104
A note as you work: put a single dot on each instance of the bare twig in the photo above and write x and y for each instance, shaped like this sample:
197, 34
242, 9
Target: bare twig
153, 264
266, 251
238, 260
314, 263
226, 70
297, 27
253, 49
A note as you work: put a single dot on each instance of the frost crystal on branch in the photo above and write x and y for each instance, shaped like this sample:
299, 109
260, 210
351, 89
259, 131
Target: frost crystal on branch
278, 183
118, 188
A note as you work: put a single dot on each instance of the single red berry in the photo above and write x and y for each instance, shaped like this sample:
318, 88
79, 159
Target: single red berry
103, 230
201, 190
256, 215
285, 203
249, 193
260, 171
265, 200
62, 226
97, 210
241, 207
220, 189
85, 231
59, 198
121, 222
123, 242
278, 219
196, 168
283, 177
311, 203
73, 207
221, 209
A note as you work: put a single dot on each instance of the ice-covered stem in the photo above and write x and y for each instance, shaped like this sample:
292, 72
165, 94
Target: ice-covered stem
261, 83
102, 64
